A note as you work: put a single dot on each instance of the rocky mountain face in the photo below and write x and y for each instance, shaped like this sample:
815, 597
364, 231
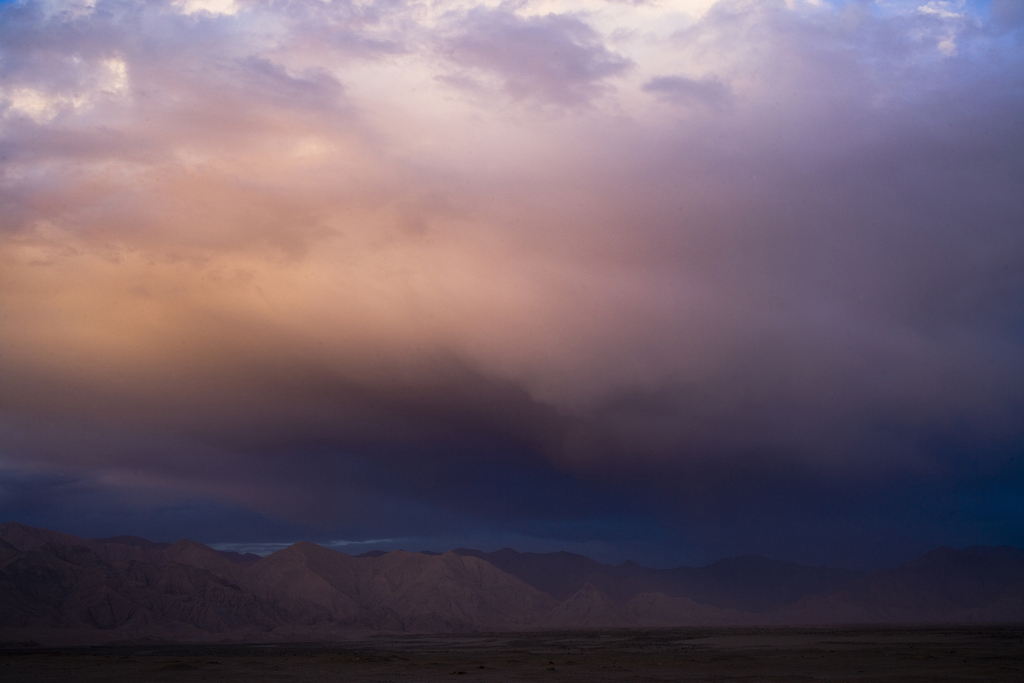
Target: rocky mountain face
187, 590
56, 587
748, 583
397, 591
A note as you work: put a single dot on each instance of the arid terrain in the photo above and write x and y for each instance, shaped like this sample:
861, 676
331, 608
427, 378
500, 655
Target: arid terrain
60, 590
948, 653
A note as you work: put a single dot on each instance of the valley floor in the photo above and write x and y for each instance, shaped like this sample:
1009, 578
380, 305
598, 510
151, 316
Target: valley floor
722, 655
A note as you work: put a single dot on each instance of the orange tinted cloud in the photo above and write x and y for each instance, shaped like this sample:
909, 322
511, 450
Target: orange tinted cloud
617, 234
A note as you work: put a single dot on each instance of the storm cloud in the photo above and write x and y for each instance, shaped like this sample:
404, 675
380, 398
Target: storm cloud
681, 279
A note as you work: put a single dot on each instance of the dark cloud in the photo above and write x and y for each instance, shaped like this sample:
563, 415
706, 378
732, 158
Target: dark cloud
95, 509
264, 268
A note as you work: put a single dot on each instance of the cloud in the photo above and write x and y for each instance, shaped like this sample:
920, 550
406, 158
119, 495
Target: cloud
554, 58
682, 90
209, 6
273, 259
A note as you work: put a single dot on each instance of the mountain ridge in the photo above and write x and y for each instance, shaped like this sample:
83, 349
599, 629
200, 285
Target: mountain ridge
726, 583
56, 587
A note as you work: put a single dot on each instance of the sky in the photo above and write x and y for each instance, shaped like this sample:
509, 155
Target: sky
660, 280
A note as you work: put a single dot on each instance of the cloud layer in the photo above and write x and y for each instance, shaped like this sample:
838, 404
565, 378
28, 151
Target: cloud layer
574, 270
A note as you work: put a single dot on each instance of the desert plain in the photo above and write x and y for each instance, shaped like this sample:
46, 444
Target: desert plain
748, 654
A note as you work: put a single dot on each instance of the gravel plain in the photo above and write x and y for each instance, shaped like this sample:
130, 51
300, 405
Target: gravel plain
721, 655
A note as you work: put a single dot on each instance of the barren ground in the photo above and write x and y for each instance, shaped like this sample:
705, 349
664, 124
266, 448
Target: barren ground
954, 653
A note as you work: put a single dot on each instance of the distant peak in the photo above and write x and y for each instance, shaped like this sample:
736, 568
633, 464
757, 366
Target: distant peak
302, 547
130, 540
310, 545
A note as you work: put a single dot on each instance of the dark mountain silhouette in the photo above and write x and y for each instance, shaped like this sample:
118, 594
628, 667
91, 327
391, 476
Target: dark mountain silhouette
750, 583
187, 590
132, 540
588, 608
59, 588
976, 584
244, 559
55, 581
398, 591
558, 574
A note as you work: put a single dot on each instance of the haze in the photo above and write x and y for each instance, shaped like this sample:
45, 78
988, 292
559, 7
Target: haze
666, 281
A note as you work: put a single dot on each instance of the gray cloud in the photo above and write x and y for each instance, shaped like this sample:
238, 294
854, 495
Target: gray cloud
285, 269
554, 58
707, 91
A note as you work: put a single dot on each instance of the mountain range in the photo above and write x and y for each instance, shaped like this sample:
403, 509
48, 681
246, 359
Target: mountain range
60, 588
